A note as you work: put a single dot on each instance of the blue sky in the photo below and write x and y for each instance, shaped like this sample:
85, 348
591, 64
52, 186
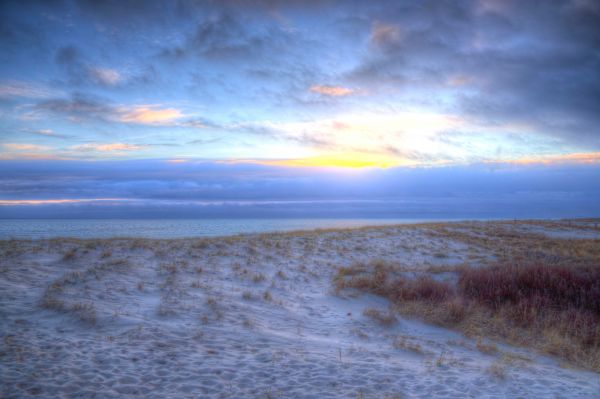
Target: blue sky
294, 100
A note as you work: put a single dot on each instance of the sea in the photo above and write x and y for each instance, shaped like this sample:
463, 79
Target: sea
174, 228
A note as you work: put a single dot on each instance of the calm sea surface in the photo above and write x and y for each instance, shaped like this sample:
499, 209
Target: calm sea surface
172, 228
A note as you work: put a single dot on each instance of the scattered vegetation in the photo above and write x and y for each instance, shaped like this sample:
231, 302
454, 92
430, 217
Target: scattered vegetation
85, 312
196, 284
509, 245
487, 348
553, 308
281, 274
215, 306
385, 319
57, 294
70, 255
403, 343
498, 370
267, 296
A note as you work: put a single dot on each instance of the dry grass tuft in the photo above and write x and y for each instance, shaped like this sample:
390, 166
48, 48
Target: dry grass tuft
51, 303
196, 284
385, 319
168, 268
281, 274
267, 296
487, 348
552, 308
211, 302
70, 255
403, 343
85, 312
363, 277
498, 370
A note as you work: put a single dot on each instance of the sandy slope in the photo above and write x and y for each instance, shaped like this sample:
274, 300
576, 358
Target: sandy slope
248, 316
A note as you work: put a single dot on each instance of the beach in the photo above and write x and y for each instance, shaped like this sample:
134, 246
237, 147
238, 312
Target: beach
260, 315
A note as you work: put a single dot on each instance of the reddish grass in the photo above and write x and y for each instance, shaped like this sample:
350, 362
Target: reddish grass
553, 308
539, 296
423, 288
554, 287
377, 281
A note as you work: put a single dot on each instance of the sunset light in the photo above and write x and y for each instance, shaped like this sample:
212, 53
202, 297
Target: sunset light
262, 199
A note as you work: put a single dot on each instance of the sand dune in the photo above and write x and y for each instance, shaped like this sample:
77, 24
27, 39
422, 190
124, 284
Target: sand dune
254, 316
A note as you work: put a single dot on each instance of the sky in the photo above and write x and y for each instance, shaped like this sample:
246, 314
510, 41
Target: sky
197, 108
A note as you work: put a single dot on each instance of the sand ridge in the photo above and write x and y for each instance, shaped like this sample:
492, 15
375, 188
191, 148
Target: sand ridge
248, 316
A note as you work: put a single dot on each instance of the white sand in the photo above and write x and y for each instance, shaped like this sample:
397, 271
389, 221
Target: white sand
165, 328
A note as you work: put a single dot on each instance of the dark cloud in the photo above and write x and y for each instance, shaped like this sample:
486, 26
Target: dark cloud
225, 36
18, 30
180, 189
72, 61
519, 62
79, 106
119, 11
67, 56
203, 180
81, 71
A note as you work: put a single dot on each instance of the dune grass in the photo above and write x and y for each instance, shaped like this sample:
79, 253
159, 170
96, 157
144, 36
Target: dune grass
552, 308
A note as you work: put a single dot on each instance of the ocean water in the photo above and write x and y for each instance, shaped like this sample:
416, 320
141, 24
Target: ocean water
173, 228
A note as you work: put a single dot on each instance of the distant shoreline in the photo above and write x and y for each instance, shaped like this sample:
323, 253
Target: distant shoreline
287, 226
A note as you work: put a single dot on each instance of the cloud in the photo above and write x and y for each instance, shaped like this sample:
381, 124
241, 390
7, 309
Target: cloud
491, 60
383, 34
44, 132
24, 147
366, 139
72, 62
47, 133
206, 141
298, 67
81, 71
148, 115
147, 188
109, 147
222, 36
106, 76
574, 158
58, 201
176, 160
333, 91
23, 151
67, 55
15, 88
79, 106
354, 160
82, 107
415, 138
197, 123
